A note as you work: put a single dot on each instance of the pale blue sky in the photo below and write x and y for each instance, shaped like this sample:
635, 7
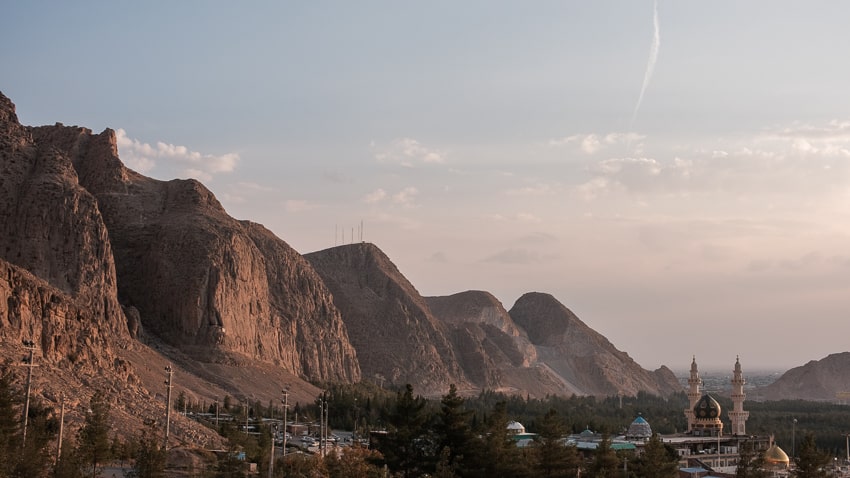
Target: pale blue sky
487, 145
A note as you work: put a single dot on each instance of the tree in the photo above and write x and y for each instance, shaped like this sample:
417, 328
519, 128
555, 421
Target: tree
42, 427
810, 462
356, 462
405, 447
750, 462
454, 435
553, 457
93, 437
9, 427
657, 461
149, 454
605, 462
500, 455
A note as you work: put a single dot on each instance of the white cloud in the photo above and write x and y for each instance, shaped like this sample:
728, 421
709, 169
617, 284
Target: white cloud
145, 158
594, 143
514, 256
406, 196
407, 152
540, 189
375, 196
299, 205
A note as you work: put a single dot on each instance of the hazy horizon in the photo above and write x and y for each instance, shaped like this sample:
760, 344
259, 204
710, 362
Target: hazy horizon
677, 174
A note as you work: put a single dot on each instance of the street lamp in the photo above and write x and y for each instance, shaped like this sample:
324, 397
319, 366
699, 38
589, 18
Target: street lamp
29, 362
793, 437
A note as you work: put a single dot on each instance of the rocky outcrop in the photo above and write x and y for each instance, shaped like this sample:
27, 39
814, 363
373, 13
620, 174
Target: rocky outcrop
586, 360
396, 337
216, 287
489, 346
825, 379
63, 292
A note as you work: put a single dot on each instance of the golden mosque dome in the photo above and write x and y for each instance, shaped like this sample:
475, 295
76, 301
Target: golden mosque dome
707, 408
775, 456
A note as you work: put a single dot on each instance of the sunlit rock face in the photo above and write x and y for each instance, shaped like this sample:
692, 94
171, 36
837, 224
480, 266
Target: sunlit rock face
397, 338
58, 284
582, 356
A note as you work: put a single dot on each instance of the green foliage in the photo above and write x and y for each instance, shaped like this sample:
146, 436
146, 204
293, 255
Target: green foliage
553, 458
811, 462
500, 455
605, 462
70, 464
9, 427
406, 448
657, 461
453, 433
149, 454
93, 438
750, 462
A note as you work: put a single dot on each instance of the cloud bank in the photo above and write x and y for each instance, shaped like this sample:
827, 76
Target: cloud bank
146, 158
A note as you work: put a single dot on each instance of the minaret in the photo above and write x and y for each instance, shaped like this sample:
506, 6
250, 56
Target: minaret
738, 416
694, 394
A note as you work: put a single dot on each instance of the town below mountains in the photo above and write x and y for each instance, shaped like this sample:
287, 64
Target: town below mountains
114, 276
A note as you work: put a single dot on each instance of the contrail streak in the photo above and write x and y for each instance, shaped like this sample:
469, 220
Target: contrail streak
650, 64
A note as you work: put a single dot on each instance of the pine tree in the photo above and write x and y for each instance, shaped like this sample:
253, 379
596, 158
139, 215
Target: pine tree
9, 427
750, 462
605, 462
500, 455
810, 462
553, 457
150, 456
657, 461
404, 449
453, 429
93, 437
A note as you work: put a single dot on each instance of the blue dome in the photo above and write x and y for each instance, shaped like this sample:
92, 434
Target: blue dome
639, 429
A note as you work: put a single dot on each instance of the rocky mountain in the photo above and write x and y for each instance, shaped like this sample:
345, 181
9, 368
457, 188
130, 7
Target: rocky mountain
825, 379
588, 363
92, 255
469, 338
115, 275
397, 338
219, 288
64, 288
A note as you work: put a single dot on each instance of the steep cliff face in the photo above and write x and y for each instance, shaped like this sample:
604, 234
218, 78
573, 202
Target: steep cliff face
586, 360
202, 280
822, 379
51, 227
389, 323
489, 345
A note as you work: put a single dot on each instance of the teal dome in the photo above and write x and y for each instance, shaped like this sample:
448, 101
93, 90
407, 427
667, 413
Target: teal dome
639, 429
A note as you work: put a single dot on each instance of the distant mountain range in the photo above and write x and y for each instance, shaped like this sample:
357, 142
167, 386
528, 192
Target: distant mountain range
114, 274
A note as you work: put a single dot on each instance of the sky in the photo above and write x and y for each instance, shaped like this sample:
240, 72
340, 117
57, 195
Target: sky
676, 173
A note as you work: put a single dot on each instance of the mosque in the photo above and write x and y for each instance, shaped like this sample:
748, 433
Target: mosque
704, 449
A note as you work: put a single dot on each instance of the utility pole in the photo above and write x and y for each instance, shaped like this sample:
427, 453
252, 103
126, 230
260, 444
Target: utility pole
273, 429
216, 413
285, 409
61, 428
170, 372
29, 362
